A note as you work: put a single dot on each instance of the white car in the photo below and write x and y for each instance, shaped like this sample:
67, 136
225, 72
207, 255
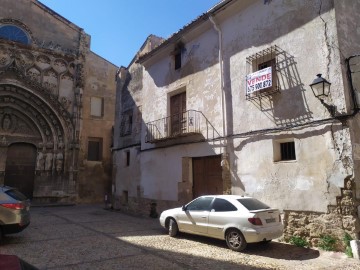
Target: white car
237, 219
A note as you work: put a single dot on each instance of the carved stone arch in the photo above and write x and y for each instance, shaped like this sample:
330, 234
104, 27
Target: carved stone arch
43, 61
46, 115
60, 65
24, 59
25, 122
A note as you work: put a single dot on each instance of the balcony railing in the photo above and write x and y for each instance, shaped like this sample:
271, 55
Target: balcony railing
187, 123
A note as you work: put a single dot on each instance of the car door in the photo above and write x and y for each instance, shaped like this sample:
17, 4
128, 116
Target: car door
194, 218
222, 213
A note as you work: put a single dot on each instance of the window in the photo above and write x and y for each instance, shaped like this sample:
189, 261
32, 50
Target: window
261, 78
221, 205
97, 106
177, 55
126, 123
177, 58
253, 204
287, 151
14, 33
284, 150
127, 158
94, 149
201, 204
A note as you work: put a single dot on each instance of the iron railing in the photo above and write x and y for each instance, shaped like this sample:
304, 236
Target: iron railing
187, 123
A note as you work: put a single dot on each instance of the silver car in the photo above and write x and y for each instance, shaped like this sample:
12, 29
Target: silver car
237, 219
14, 211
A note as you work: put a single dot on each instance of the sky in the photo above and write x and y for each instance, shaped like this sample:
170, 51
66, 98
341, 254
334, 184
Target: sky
118, 28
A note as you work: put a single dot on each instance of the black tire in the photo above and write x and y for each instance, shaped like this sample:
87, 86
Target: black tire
1, 236
173, 228
235, 240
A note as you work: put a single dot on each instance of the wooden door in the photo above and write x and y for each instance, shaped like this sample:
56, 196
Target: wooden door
207, 176
20, 168
178, 115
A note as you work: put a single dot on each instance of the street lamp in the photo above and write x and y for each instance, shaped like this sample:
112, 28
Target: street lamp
321, 89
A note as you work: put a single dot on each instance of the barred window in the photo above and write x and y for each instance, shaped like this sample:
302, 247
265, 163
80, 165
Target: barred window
284, 150
287, 150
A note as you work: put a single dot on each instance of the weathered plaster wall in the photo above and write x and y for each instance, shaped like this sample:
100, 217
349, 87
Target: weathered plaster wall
199, 77
95, 176
347, 18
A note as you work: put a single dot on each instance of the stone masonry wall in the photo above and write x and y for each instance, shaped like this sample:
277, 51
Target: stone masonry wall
340, 219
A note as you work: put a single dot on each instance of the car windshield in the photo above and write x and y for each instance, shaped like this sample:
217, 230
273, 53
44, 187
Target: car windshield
253, 204
15, 194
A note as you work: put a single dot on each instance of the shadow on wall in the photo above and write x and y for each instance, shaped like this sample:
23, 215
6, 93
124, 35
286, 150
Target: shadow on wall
289, 106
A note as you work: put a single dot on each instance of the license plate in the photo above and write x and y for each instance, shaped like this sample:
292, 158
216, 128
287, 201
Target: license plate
270, 220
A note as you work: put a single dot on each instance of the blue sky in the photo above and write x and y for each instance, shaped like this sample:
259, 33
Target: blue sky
118, 28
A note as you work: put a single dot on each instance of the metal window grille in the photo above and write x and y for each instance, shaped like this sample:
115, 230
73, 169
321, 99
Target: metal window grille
261, 60
287, 150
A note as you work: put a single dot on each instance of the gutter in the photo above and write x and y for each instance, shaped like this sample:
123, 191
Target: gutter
222, 90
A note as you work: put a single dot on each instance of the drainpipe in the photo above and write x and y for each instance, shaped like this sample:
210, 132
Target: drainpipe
222, 90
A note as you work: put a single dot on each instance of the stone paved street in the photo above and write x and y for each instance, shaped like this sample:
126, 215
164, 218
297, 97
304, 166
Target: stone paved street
89, 237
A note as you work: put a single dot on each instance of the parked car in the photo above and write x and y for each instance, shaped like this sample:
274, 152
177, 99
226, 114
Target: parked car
14, 211
236, 219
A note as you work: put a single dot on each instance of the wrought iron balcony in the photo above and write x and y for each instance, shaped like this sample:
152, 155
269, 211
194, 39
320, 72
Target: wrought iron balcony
187, 123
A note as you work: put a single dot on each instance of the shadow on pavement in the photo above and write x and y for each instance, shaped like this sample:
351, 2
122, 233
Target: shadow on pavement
273, 250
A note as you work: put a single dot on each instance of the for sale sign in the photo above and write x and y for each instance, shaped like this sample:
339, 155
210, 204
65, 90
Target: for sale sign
259, 80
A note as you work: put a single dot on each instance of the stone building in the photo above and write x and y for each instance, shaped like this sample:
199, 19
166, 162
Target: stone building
55, 130
224, 106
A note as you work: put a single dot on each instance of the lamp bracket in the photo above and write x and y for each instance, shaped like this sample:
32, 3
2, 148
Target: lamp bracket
331, 108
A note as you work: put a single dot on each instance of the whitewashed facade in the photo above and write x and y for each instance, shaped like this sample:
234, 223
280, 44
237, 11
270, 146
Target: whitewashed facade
201, 131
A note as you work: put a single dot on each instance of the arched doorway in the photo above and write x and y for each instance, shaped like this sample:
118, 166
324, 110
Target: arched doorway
20, 167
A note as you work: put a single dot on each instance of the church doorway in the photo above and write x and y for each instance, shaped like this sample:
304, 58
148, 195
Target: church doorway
20, 168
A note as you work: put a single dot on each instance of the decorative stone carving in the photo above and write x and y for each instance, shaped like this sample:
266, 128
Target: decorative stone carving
60, 65
6, 123
48, 162
34, 74
66, 103
43, 61
25, 59
40, 162
4, 56
59, 162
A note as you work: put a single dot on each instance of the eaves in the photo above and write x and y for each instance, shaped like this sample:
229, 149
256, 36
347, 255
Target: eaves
174, 38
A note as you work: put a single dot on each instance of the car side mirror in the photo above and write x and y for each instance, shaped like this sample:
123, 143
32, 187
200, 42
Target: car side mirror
183, 208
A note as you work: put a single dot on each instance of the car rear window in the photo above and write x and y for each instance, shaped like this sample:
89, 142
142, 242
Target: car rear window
15, 194
253, 204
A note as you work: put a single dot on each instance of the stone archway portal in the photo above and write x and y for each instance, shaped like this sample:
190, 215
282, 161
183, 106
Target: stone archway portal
20, 168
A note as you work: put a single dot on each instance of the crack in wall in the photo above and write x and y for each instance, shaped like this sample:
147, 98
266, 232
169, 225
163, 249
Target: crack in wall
327, 42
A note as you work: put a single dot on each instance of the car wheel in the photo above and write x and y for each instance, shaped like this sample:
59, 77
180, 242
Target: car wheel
1, 235
235, 240
173, 228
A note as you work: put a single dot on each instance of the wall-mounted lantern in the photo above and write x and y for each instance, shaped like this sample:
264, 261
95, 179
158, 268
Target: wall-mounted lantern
321, 89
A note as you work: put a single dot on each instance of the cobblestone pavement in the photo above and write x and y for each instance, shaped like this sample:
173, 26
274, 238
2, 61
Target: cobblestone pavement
89, 237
